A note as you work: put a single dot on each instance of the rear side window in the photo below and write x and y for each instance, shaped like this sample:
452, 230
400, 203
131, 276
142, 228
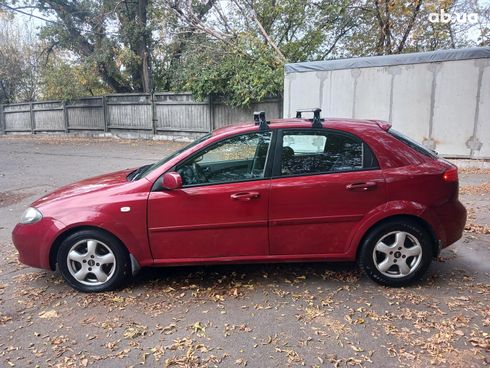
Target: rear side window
412, 144
312, 152
305, 143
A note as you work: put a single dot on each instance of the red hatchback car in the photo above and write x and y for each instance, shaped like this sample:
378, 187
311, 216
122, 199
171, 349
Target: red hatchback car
283, 191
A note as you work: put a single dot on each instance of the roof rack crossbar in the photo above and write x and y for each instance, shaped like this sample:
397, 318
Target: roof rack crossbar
259, 118
316, 121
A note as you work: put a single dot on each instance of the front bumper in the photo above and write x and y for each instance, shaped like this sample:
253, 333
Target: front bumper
34, 241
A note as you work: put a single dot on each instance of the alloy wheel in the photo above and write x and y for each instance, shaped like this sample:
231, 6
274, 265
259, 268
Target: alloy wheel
91, 262
397, 254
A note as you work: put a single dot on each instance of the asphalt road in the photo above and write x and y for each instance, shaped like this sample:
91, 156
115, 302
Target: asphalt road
321, 314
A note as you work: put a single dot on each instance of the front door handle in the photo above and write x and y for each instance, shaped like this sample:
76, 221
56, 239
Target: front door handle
361, 187
245, 196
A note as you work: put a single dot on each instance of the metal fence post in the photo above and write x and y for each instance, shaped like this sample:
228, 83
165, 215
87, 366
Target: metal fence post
153, 115
280, 104
211, 114
106, 113
3, 124
33, 119
65, 117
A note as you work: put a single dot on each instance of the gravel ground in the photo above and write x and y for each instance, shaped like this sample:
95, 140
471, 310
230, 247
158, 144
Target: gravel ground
315, 314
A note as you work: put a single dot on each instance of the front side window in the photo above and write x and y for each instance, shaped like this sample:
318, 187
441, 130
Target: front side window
238, 158
311, 152
145, 170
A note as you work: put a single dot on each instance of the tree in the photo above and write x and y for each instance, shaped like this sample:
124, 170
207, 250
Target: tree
483, 23
241, 44
18, 68
236, 48
122, 57
391, 27
136, 35
62, 80
239, 78
170, 39
397, 26
240, 48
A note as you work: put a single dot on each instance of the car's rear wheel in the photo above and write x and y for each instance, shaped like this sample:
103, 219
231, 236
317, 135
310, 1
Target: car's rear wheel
93, 261
396, 253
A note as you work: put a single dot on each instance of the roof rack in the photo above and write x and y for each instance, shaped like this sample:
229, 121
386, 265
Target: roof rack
317, 121
259, 118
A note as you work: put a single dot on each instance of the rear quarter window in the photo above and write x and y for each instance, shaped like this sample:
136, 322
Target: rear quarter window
413, 144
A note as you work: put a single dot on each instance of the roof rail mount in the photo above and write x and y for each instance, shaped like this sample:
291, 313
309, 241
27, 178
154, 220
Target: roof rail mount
259, 118
317, 121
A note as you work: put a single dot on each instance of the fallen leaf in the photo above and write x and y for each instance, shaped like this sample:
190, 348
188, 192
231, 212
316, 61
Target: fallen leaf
49, 314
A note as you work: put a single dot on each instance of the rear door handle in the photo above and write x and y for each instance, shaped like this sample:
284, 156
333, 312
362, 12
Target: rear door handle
361, 187
245, 196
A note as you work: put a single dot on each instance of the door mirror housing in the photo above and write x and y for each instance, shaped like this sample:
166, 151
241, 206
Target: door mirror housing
172, 180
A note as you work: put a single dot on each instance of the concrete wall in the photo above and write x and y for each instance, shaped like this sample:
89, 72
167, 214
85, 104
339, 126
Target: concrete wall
445, 105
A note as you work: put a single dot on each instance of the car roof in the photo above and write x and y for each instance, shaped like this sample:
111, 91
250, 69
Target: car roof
333, 123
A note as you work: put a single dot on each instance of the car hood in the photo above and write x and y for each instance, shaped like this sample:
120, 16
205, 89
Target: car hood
91, 185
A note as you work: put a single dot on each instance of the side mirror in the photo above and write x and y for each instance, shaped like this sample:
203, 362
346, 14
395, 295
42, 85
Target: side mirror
171, 180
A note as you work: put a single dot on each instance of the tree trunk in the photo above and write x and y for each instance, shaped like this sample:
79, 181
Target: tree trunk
143, 49
112, 82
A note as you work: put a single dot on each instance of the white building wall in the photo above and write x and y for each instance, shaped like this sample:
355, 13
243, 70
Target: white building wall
483, 122
445, 105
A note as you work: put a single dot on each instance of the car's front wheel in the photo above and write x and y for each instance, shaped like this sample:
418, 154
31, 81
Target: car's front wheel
396, 253
93, 261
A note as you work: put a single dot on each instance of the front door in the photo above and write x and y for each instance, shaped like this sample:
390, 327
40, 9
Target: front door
222, 208
323, 185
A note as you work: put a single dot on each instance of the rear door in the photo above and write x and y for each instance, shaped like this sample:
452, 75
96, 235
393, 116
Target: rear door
324, 182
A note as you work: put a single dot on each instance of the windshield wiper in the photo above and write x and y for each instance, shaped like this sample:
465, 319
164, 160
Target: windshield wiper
135, 175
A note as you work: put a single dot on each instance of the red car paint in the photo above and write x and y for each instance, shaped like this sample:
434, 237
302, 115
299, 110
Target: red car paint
288, 219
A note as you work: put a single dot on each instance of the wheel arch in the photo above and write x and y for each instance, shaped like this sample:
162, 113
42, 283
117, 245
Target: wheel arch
402, 217
53, 252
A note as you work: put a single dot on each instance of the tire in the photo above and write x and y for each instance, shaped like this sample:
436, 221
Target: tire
396, 253
99, 259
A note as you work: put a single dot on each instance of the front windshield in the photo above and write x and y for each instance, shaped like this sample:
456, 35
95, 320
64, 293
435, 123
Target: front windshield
149, 168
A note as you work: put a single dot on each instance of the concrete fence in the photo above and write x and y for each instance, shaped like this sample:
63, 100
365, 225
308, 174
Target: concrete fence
140, 114
441, 98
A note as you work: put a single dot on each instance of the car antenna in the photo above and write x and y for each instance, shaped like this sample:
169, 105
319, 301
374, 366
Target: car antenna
259, 118
316, 121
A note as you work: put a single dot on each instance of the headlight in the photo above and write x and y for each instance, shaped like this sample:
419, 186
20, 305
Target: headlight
30, 216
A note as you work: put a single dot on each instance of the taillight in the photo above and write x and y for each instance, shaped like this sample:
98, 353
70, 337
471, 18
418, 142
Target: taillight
450, 175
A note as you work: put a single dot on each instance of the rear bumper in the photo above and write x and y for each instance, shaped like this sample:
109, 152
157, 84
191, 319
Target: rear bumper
34, 241
452, 217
